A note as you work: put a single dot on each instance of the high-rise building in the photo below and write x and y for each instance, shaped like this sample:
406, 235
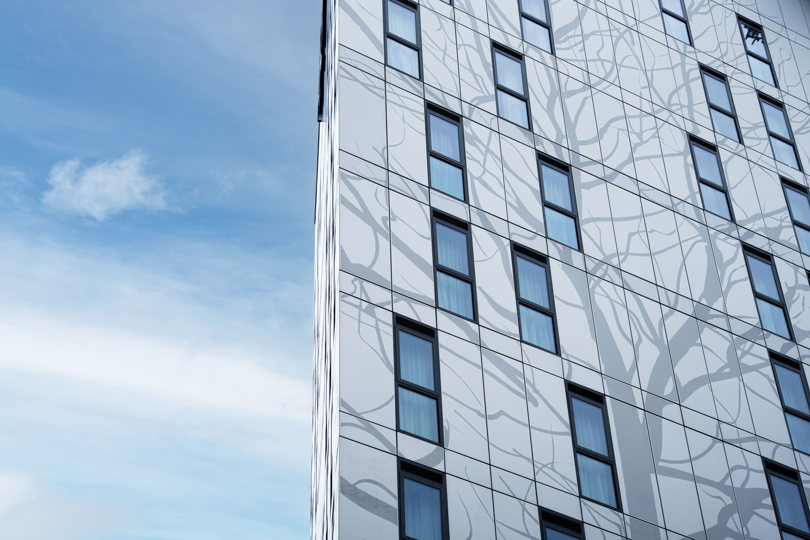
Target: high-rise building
562, 270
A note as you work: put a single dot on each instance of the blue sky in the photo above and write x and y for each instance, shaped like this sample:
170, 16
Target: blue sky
157, 165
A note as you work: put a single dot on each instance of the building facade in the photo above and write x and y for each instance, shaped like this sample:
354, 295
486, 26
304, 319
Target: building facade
562, 253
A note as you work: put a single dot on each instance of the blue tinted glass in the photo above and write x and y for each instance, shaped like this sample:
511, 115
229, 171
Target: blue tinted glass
803, 236
799, 205
788, 536
535, 8
532, 281
773, 318
446, 178
455, 295
416, 360
764, 281
596, 480
799, 432
707, 165
513, 109
674, 6
761, 70
589, 426
676, 28
509, 72
553, 534
422, 510
451, 248
536, 34
402, 21
716, 91
792, 388
444, 137
715, 201
784, 153
537, 328
754, 39
789, 503
724, 124
775, 120
556, 188
418, 414
561, 228
403, 58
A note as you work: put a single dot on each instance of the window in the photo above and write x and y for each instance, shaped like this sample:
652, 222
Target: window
422, 503
557, 527
789, 502
799, 208
721, 108
453, 267
675, 22
710, 179
768, 295
535, 299
759, 59
535, 20
559, 207
779, 132
510, 86
446, 152
596, 467
417, 371
402, 41
792, 386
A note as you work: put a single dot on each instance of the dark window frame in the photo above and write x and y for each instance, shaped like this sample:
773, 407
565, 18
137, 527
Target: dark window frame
796, 367
589, 396
767, 259
682, 18
541, 260
776, 469
461, 226
758, 27
789, 184
497, 48
561, 167
429, 334
458, 120
694, 141
429, 477
561, 523
415, 46
792, 141
706, 71
535, 20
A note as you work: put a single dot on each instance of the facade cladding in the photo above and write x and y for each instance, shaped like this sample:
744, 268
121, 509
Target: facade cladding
562, 270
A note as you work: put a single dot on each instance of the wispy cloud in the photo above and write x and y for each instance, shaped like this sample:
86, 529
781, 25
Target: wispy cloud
105, 188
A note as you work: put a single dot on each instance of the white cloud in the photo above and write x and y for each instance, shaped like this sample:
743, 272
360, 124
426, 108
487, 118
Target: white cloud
106, 188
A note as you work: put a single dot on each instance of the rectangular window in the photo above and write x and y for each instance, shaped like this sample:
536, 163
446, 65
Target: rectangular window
675, 22
453, 267
417, 372
779, 132
535, 299
759, 58
422, 503
446, 152
799, 208
789, 502
536, 23
792, 386
768, 295
402, 37
711, 181
510, 86
559, 206
593, 449
558, 527
721, 107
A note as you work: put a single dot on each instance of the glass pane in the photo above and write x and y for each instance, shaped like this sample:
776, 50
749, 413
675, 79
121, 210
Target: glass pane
724, 124
535, 8
708, 167
403, 58
764, 281
775, 120
509, 72
784, 152
788, 536
513, 109
596, 480
789, 503
422, 509
773, 318
803, 236
676, 28
416, 360
754, 40
589, 426
556, 188
792, 388
446, 178
553, 534
402, 21
536, 34
761, 70
561, 228
455, 295
674, 6
799, 432
537, 328
444, 137
451, 248
715, 201
799, 205
716, 91
418, 414
532, 281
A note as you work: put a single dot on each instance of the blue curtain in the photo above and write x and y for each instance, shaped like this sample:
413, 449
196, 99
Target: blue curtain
446, 178
596, 480
799, 205
789, 503
532, 282
416, 360
535, 34
714, 201
589, 424
561, 228
792, 388
772, 318
556, 188
403, 58
509, 72
444, 137
536, 328
418, 414
512, 108
799, 432
775, 119
535, 8
764, 281
455, 295
707, 166
422, 509
452, 248
552, 534
402, 21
